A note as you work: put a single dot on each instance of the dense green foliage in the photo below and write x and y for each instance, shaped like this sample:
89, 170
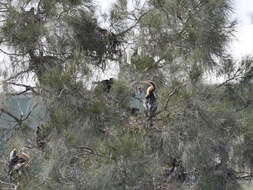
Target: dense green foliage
202, 134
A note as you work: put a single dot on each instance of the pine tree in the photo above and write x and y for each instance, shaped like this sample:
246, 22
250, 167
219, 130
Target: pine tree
97, 138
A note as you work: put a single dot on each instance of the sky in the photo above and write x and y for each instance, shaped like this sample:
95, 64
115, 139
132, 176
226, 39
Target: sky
243, 10
242, 44
105, 4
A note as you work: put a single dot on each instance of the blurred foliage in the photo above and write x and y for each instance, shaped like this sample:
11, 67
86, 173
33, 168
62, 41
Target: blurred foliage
95, 139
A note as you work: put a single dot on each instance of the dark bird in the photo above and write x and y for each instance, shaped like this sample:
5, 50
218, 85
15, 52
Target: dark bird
106, 84
40, 137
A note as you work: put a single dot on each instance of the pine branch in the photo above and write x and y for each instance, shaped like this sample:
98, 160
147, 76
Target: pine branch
134, 25
170, 94
17, 75
27, 89
11, 54
18, 120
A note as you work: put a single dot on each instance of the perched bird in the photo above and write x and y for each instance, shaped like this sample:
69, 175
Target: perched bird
150, 103
106, 84
179, 14
150, 90
40, 137
17, 161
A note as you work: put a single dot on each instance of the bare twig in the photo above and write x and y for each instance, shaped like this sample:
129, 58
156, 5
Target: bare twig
134, 25
236, 75
27, 88
5, 183
12, 54
18, 120
89, 150
171, 93
18, 74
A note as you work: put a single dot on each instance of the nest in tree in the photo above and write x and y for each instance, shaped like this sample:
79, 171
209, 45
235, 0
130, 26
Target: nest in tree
100, 44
